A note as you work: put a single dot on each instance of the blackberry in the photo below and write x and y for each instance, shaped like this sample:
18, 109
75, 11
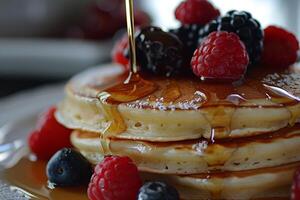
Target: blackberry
245, 26
188, 35
159, 52
157, 191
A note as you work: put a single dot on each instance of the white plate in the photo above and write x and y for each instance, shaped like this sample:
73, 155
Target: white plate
17, 118
58, 58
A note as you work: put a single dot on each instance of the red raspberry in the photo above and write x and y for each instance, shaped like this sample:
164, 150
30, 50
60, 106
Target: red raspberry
115, 178
196, 12
221, 55
118, 52
280, 47
49, 136
296, 186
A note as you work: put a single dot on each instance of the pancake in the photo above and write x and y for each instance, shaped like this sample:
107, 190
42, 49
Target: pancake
197, 156
183, 108
210, 140
267, 183
261, 182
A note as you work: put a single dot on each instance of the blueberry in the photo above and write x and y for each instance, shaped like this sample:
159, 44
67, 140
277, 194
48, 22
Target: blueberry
67, 167
157, 191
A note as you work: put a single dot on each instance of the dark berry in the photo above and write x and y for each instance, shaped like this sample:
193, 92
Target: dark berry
280, 47
188, 35
196, 12
68, 168
159, 52
115, 178
157, 191
246, 27
221, 56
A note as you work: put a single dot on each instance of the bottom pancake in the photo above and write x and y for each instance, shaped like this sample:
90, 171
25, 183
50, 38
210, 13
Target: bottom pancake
197, 156
263, 184
259, 183
268, 183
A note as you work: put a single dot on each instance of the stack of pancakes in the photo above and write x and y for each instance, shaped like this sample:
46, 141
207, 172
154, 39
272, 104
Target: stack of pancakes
209, 140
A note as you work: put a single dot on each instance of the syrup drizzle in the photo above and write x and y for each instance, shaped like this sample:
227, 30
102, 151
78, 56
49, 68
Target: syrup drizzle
29, 176
130, 31
133, 88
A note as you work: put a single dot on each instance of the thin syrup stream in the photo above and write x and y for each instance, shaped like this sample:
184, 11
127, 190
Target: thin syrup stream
130, 31
133, 88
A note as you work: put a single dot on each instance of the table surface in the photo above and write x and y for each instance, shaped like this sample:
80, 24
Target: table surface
11, 85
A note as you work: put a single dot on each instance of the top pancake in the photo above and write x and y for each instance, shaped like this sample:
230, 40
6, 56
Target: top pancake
183, 108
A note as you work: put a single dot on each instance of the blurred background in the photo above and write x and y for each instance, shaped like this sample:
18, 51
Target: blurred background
47, 41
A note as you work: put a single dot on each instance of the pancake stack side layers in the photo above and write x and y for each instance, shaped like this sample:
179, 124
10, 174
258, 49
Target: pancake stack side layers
210, 141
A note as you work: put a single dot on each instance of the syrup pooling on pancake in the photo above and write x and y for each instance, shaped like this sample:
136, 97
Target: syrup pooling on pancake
189, 112
179, 92
243, 93
134, 87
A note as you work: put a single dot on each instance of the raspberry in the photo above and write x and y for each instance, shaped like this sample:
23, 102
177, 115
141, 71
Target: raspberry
49, 136
118, 52
296, 186
280, 47
114, 179
245, 26
196, 12
220, 56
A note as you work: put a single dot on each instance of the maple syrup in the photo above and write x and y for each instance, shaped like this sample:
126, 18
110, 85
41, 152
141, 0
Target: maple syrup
133, 88
29, 178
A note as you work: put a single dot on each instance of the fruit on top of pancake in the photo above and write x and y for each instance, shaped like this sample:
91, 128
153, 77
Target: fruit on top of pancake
280, 47
49, 136
157, 191
295, 195
115, 178
189, 36
245, 26
68, 167
196, 12
118, 52
221, 55
159, 52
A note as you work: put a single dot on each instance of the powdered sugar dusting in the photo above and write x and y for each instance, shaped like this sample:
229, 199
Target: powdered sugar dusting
290, 82
159, 103
200, 147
